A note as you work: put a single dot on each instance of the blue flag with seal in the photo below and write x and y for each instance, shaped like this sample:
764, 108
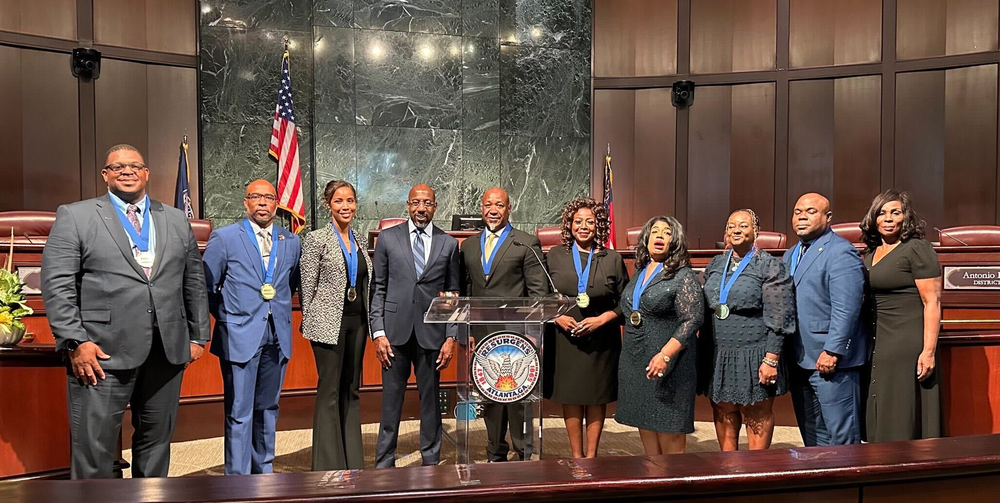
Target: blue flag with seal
182, 197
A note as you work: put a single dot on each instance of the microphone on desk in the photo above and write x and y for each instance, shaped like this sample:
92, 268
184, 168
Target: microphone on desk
378, 216
943, 233
540, 264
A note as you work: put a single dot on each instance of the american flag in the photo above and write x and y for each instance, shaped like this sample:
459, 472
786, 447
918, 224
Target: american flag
609, 199
285, 149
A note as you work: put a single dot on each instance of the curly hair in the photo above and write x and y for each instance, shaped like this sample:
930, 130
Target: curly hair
677, 249
600, 214
912, 226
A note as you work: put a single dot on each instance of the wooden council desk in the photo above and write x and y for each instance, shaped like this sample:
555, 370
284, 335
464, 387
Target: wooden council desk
34, 436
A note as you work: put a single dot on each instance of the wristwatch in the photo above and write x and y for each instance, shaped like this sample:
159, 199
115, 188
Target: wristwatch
71, 345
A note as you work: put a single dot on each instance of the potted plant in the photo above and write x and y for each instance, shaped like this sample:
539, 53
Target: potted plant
12, 302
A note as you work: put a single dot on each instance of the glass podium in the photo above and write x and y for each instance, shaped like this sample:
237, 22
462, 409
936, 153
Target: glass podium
499, 360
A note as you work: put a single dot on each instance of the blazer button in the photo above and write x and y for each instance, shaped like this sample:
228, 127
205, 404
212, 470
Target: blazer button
149, 310
264, 318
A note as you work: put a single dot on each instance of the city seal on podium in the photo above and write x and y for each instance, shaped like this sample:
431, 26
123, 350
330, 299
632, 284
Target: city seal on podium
505, 367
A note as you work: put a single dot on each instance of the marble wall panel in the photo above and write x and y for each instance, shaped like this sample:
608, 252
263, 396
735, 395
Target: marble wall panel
480, 84
336, 149
408, 79
240, 74
546, 23
480, 170
257, 14
544, 91
392, 160
481, 18
418, 16
337, 13
542, 174
333, 52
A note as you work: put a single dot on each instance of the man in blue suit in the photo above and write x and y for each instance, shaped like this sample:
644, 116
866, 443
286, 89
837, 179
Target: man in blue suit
252, 268
413, 263
829, 349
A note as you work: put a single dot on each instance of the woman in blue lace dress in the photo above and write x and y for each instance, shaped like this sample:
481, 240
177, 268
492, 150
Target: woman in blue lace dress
752, 300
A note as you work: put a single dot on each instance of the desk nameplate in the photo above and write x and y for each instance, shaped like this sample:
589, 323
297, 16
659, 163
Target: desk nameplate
972, 277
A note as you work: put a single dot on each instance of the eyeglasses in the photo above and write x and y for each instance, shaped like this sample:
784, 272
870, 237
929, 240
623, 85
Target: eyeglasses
416, 204
118, 168
257, 197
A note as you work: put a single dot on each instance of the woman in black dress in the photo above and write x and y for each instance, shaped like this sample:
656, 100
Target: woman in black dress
905, 280
753, 301
663, 306
587, 342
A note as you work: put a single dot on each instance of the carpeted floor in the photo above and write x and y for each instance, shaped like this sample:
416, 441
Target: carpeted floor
294, 451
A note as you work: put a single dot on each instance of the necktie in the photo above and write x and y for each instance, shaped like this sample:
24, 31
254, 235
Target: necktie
802, 251
491, 242
265, 248
418, 251
132, 213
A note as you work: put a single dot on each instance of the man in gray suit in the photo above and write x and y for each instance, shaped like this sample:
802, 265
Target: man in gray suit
124, 293
413, 264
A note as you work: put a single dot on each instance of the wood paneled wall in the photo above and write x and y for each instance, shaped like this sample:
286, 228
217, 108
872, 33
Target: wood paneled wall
844, 97
56, 128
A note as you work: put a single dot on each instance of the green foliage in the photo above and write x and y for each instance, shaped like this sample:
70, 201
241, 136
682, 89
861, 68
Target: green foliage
11, 299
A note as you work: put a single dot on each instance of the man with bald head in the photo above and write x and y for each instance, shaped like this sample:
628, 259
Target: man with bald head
413, 264
830, 348
123, 289
495, 267
251, 269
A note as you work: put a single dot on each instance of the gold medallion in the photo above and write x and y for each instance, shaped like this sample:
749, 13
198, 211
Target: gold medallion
582, 299
267, 291
352, 294
722, 312
144, 258
635, 318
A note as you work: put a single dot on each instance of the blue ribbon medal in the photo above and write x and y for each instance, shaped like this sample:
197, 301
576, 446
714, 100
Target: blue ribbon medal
722, 312
139, 239
582, 275
795, 257
267, 290
488, 263
635, 318
351, 257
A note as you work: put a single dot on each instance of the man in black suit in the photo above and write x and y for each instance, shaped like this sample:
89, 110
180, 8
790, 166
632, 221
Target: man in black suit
124, 292
413, 264
514, 271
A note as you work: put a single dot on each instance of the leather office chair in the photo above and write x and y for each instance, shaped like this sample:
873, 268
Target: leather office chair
202, 230
968, 235
549, 237
30, 227
385, 223
631, 237
768, 240
850, 231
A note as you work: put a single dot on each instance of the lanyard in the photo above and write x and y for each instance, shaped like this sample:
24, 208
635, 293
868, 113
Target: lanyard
266, 269
725, 286
488, 264
582, 274
139, 239
641, 285
350, 256
795, 256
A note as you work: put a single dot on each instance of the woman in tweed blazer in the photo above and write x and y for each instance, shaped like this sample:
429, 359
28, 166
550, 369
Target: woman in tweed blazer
336, 323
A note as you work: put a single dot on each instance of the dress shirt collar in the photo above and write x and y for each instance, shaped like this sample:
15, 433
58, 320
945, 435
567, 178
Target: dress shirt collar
123, 206
256, 228
412, 227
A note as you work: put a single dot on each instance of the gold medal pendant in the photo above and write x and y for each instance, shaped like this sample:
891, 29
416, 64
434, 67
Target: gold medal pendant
267, 291
635, 318
722, 312
582, 299
145, 259
352, 294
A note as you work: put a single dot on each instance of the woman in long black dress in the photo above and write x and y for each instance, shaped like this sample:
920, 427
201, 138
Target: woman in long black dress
663, 306
753, 300
587, 342
905, 280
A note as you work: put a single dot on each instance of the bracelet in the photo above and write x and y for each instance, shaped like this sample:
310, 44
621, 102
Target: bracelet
665, 358
771, 362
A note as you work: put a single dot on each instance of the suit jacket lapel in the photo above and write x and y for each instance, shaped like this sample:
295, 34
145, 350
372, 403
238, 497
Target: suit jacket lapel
594, 265
477, 253
159, 218
811, 255
499, 253
109, 216
403, 237
279, 248
437, 244
252, 252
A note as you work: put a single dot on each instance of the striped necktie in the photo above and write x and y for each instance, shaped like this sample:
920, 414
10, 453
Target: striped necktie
418, 251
